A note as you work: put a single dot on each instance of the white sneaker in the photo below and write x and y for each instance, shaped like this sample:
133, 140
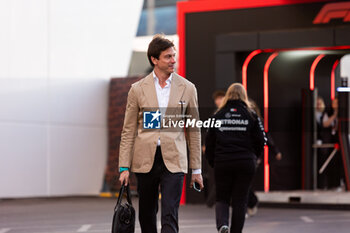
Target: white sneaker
223, 229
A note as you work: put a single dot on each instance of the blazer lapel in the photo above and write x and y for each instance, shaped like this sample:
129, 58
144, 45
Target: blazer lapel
149, 91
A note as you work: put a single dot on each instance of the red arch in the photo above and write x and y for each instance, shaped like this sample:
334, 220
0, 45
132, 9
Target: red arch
312, 70
334, 67
266, 119
245, 66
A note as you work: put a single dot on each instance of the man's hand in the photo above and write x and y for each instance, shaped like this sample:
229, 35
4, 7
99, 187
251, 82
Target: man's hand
124, 178
197, 178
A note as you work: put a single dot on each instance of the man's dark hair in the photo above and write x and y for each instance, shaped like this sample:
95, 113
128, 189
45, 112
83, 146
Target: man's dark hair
218, 93
158, 45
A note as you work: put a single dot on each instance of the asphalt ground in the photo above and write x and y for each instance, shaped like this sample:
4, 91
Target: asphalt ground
93, 214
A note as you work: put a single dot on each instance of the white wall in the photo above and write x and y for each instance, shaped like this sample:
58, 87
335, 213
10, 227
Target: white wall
56, 59
345, 67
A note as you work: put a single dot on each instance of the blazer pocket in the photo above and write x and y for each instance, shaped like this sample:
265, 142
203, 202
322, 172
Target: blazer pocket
181, 154
181, 146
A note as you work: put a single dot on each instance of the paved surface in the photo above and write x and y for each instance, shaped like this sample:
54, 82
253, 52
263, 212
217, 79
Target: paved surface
70, 215
306, 197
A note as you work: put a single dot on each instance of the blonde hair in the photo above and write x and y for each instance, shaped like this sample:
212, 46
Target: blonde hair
254, 107
322, 106
235, 92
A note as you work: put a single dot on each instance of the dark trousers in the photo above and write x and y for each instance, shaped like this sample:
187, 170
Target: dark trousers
331, 176
148, 189
233, 181
252, 199
210, 186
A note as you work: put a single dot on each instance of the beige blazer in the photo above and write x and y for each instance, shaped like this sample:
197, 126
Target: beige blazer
138, 145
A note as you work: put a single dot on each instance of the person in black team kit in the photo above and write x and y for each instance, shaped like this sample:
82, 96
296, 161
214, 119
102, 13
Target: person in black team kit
231, 150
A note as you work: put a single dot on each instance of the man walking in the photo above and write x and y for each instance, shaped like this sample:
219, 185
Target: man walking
158, 156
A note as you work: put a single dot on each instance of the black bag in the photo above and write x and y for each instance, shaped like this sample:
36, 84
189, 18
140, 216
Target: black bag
124, 213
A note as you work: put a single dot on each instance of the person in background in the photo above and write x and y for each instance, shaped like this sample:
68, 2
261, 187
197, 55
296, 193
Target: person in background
332, 121
325, 121
327, 132
338, 175
159, 157
323, 136
232, 150
218, 97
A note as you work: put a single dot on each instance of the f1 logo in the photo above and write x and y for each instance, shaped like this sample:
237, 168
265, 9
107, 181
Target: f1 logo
151, 120
333, 11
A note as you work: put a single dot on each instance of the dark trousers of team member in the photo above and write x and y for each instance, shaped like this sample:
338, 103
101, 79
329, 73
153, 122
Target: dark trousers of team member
233, 180
252, 199
148, 189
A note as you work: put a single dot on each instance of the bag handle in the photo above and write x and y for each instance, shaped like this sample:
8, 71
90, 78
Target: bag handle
124, 188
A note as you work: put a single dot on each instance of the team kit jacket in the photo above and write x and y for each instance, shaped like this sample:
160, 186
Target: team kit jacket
241, 135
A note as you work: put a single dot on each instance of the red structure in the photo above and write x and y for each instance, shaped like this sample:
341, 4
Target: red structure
322, 12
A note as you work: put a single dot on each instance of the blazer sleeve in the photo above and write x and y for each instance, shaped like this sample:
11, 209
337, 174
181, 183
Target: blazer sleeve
129, 129
193, 134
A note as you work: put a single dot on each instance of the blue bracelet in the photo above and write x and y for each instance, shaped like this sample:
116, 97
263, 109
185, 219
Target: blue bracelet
121, 169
